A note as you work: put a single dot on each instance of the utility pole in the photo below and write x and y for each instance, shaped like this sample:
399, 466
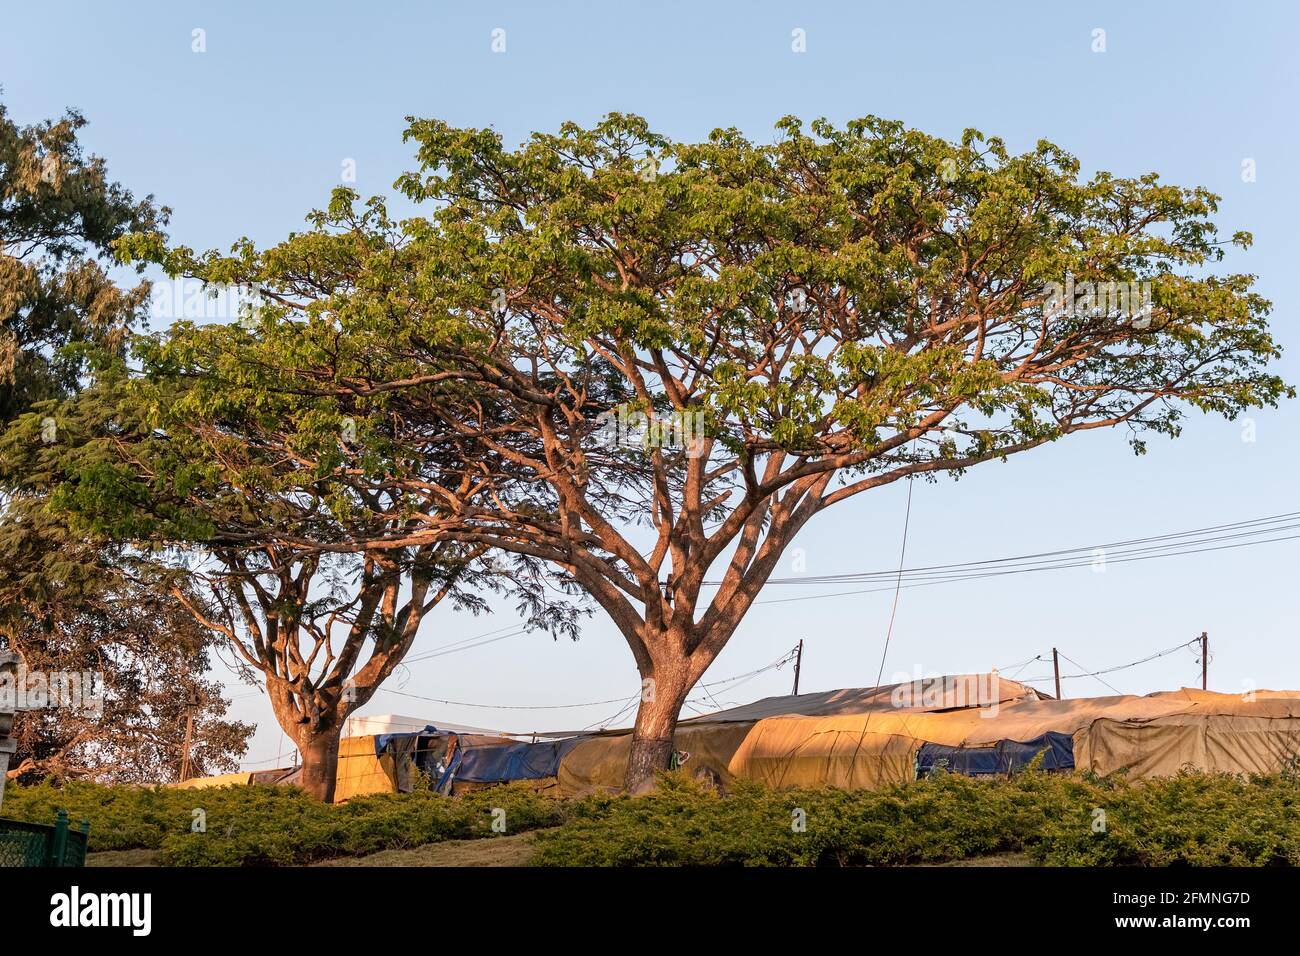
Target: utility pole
1056, 669
193, 702
1205, 660
798, 662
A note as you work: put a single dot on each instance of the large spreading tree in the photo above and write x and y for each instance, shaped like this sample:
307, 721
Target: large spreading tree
270, 458
801, 321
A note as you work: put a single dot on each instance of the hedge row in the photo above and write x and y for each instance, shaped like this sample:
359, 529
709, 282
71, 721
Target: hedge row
1191, 819
276, 826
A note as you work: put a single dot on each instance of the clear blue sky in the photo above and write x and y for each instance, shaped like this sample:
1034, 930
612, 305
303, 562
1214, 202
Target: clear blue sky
247, 137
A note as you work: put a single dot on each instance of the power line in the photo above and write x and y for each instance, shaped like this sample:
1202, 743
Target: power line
461, 703
1237, 534
1252, 528
466, 643
591, 703
627, 706
1124, 552
466, 647
1096, 674
1057, 567
1021, 665
1134, 549
734, 681
1117, 667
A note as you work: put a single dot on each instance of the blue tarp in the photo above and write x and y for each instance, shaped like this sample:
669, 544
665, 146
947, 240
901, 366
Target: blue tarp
1004, 757
382, 740
513, 761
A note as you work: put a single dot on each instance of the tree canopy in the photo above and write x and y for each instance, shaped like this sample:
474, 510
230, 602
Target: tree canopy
70, 602
837, 309
59, 217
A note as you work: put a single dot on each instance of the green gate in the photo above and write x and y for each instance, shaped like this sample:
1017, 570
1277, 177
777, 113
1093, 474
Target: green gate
39, 844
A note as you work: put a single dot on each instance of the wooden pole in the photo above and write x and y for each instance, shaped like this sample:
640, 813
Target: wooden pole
798, 662
1056, 668
185, 754
1205, 660
193, 702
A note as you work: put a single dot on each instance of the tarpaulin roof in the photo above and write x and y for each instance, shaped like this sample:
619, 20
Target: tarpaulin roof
1189, 728
513, 761
920, 695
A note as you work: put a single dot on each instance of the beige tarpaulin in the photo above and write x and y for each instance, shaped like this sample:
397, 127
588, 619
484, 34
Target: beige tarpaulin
923, 694
1194, 728
601, 762
849, 751
1215, 743
713, 741
826, 751
360, 772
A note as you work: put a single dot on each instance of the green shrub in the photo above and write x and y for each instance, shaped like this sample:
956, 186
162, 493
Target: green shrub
275, 826
121, 817
1192, 819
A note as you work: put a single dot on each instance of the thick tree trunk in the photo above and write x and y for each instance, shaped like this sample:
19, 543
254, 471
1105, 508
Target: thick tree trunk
652, 736
320, 762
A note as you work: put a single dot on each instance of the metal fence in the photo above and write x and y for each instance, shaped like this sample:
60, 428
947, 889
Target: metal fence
40, 844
